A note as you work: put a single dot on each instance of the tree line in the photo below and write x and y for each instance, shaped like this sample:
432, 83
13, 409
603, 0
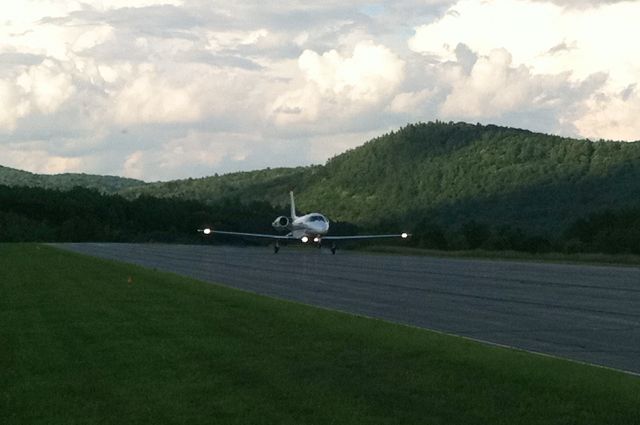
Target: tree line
81, 214
86, 215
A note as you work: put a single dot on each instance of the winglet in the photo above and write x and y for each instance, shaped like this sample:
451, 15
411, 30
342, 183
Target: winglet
293, 206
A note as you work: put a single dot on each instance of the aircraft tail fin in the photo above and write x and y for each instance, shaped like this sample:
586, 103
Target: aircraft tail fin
293, 207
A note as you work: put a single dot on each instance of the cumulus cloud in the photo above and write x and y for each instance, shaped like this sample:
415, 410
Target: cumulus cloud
367, 75
336, 85
323, 146
411, 103
516, 69
39, 159
150, 98
12, 106
47, 86
492, 87
203, 152
582, 4
160, 89
596, 40
41, 88
611, 116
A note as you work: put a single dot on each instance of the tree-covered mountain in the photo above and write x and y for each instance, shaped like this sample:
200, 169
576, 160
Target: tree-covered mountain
454, 185
67, 181
447, 174
271, 185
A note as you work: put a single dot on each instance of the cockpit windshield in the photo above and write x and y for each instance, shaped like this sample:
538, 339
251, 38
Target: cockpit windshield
317, 218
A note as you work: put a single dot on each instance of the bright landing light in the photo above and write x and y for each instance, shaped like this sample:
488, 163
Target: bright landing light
316, 239
404, 235
305, 239
207, 231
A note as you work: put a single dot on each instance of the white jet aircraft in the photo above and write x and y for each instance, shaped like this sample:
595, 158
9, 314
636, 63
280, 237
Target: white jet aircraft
311, 227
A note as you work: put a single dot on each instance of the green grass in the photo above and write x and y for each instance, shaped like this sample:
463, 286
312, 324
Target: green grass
551, 257
79, 344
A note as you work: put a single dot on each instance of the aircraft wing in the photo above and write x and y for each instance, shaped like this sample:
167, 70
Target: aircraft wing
253, 235
344, 238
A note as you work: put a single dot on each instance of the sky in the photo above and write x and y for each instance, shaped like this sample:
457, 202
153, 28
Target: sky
166, 89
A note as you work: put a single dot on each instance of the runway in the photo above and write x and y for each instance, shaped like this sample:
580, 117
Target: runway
585, 313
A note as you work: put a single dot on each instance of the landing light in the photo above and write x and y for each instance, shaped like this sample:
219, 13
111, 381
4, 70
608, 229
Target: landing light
207, 231
304, 239
316, 239
404, 235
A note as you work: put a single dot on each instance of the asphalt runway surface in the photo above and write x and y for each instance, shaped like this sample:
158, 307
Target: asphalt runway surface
585, 313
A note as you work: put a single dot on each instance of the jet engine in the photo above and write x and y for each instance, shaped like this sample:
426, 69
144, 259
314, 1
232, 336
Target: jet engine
281, 223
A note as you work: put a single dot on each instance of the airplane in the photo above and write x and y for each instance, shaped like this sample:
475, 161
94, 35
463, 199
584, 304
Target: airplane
311, 227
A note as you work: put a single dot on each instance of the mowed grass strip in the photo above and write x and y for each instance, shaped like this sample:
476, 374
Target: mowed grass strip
88, 341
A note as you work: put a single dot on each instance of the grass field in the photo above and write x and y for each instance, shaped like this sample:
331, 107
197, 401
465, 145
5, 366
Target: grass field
88, 341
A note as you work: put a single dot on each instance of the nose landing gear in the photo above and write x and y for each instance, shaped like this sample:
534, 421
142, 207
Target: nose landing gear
333, 248
276, 247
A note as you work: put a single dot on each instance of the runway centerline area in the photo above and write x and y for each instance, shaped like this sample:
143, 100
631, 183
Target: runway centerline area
585, 313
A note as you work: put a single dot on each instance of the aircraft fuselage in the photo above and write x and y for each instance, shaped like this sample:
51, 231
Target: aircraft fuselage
314, 225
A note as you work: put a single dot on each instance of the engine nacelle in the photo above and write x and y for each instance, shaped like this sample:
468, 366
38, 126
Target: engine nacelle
281, 223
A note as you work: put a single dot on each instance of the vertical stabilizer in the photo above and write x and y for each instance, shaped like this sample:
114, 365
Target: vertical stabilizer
293, 207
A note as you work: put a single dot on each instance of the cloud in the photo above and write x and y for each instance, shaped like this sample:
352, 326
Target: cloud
41, 88
133, 165
159, 89
517, 71
582, 4
492, 88
514, 22
152, 98
47, 85
134, 79
14, 58
203, 152
12, 106
324, 147
411, 103
39, 159
337, 86
367, 75
611, 116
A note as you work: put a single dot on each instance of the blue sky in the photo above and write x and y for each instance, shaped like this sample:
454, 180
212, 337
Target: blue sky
164, 89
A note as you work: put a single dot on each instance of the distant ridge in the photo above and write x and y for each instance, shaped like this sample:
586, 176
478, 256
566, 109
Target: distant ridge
66, 181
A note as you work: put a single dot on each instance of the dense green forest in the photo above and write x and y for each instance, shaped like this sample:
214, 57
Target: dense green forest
80, 214
455, 185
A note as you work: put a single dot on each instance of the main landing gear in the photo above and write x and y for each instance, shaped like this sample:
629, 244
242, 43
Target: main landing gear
276, 247
333, 247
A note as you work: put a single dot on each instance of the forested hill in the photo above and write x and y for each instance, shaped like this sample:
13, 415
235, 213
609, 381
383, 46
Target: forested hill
271, 185
454, 185
447, 174
105, 184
